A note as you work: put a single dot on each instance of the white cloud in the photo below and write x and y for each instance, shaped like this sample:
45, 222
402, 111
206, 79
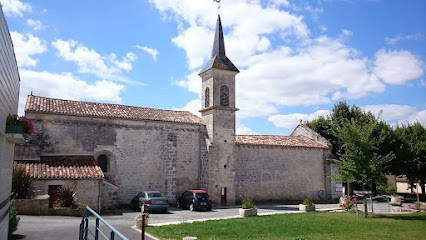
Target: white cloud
66, 86
151, 51
35, 24
290, 121
15, 7
192, 106
90, 61
192, 82
280, 63
397, 67
25, 47
393, 113
396, 39
241, 129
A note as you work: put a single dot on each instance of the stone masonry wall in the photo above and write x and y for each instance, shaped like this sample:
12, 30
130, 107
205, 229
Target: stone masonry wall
143, 155
279, 173
87, 189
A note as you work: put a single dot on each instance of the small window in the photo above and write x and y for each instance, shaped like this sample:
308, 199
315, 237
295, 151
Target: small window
224, 96
207, 98
103, 162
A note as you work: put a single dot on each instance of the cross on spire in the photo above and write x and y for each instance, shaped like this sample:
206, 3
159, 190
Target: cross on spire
218, 6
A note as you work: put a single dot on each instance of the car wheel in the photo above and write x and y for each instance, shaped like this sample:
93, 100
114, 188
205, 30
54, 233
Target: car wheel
191, 207
178, 204
165, 210
209, 208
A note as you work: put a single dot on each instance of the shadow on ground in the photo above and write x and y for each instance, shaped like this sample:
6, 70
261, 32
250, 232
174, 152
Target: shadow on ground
16, 236
412, 217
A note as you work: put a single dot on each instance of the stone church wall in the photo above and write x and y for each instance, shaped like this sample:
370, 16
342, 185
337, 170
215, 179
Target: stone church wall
279, 173
87, 190
143, 155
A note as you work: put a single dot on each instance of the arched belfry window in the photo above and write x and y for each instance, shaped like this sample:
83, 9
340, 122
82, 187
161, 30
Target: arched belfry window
224, 96
103, 162
207, 98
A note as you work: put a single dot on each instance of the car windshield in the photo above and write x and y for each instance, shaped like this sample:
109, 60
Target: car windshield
202, 195
154, 194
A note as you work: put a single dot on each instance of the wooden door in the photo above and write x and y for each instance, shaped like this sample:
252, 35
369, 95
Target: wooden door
223, 197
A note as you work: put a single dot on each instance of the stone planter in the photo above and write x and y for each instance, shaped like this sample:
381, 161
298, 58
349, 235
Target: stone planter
396, 200
306, 208
248, 212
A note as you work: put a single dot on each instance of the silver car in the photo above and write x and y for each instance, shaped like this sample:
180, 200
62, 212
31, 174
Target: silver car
150, 200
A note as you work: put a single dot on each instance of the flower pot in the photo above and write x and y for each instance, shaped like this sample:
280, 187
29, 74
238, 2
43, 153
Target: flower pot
306, 208
14, 129
248, 212
396, 201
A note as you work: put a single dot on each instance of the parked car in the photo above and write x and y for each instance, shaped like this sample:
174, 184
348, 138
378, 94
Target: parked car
194, 200
150, 200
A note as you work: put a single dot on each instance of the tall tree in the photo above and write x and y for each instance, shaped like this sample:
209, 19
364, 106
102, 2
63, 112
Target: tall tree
360, 162
412, 154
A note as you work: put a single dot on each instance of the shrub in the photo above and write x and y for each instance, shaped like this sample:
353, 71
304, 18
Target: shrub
388, 189
307, 201
15, 120
346, 202
22, 184
67, 196
247, 203
13, 220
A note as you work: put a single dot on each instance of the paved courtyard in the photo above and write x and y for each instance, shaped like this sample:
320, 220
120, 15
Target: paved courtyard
61, 227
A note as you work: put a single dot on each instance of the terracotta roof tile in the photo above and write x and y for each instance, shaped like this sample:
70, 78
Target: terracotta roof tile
68, 167
105, 110
272, 140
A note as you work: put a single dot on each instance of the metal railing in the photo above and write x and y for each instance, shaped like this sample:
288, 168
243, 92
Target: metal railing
94, 230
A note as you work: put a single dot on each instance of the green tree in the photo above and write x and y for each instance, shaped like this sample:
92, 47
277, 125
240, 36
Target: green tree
360, 161
330, 126
412, 153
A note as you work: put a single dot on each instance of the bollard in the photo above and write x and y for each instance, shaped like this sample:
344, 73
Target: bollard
143, 227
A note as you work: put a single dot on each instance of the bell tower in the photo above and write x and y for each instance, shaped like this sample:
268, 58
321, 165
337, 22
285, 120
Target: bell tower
218, 91
218, 114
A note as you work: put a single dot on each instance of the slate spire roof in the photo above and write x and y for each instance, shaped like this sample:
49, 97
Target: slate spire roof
219, 60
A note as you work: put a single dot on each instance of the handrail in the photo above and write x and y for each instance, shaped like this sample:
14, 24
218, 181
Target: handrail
84, 226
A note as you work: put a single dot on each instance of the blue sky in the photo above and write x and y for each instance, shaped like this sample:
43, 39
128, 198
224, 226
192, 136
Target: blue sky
296, 58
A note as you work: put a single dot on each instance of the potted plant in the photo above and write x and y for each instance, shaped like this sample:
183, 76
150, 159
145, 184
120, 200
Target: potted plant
138, 220
307, 205
247, 208
16, 124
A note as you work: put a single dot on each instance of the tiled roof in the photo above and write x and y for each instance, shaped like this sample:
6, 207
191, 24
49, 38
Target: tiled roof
66, 167
271, 140
78, 108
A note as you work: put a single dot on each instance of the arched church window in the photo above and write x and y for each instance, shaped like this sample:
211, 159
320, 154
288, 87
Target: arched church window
103, 162
224, 96
207, 98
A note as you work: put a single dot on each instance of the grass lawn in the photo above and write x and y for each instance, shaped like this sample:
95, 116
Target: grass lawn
302, 226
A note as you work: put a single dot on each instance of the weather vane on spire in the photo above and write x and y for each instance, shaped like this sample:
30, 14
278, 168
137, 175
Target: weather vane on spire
218, 5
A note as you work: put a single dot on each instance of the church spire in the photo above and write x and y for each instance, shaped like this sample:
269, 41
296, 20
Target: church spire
219, 43
219, 60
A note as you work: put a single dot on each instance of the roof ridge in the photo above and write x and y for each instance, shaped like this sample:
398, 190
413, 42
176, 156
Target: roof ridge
40, 104
101, 103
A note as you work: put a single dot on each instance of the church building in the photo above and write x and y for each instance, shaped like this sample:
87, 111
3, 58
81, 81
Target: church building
112, 152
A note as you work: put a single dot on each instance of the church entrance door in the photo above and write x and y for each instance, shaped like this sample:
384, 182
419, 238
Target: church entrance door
223, 197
